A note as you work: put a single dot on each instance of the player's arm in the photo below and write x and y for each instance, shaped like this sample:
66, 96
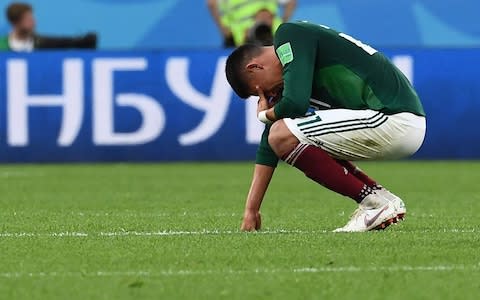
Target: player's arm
266, 161
215, 12
296, 50
288, 10
261, 179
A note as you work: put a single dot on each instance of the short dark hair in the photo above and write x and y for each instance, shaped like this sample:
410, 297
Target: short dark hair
16, 10
235, 68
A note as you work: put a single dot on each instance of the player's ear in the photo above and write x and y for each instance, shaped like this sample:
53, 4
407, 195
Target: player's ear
253, 66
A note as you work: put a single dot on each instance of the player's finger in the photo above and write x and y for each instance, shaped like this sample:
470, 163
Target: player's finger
258, 223
247, 225
260, 92
243, 227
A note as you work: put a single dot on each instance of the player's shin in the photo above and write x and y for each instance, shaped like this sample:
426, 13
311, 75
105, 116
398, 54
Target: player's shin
319, 166
397, 202
357, 172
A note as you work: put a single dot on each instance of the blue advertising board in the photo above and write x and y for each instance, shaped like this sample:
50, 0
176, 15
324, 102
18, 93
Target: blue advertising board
174, 24
177, 105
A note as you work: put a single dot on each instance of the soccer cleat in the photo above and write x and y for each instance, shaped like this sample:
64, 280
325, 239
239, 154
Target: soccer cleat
373, 213
397, 202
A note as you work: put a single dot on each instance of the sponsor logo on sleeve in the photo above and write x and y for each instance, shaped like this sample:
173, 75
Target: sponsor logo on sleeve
285, 53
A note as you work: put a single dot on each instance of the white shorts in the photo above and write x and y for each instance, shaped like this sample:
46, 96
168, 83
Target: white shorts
360, 134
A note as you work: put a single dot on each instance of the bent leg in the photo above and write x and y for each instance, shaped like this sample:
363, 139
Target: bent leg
360, 134
316, 163
322, 145
281, 139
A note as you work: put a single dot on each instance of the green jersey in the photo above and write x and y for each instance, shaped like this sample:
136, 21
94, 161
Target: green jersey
4, 44
326, 69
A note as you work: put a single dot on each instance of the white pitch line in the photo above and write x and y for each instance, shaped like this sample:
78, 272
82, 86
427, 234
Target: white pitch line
148, 233
125, 214
39, 234
202, 232
124, 233
309, 270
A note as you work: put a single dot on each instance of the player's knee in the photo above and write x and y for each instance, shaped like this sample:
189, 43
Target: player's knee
281, 139
277, 134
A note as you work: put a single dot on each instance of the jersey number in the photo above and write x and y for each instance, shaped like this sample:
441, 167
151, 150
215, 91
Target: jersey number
365, 47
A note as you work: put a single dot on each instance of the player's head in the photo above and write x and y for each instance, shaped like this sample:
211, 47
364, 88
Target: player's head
20, 16
250, 66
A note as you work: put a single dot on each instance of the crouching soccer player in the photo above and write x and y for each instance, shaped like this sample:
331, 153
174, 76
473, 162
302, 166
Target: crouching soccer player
328, 99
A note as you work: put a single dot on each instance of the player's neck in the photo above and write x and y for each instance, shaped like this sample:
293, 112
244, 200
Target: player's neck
270, 56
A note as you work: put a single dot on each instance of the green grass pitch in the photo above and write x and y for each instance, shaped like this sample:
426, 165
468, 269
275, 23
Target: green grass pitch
170, 231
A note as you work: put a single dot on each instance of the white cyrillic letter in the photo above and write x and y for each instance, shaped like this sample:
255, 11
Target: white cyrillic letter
153, 116
18, 102
405, 64
214, 105
254, 127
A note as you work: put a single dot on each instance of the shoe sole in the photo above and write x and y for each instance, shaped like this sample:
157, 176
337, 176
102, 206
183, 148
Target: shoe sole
394, 220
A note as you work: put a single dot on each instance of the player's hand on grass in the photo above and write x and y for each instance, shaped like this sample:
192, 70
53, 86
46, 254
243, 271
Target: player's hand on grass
252, 220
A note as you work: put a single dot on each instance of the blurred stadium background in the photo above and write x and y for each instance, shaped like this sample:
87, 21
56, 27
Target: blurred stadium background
174, 24
154, 90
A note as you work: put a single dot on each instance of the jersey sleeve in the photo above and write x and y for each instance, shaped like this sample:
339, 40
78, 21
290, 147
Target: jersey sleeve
265, 154
296, 50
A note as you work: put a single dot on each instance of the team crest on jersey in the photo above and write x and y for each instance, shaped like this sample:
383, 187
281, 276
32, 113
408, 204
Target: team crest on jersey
285, 53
